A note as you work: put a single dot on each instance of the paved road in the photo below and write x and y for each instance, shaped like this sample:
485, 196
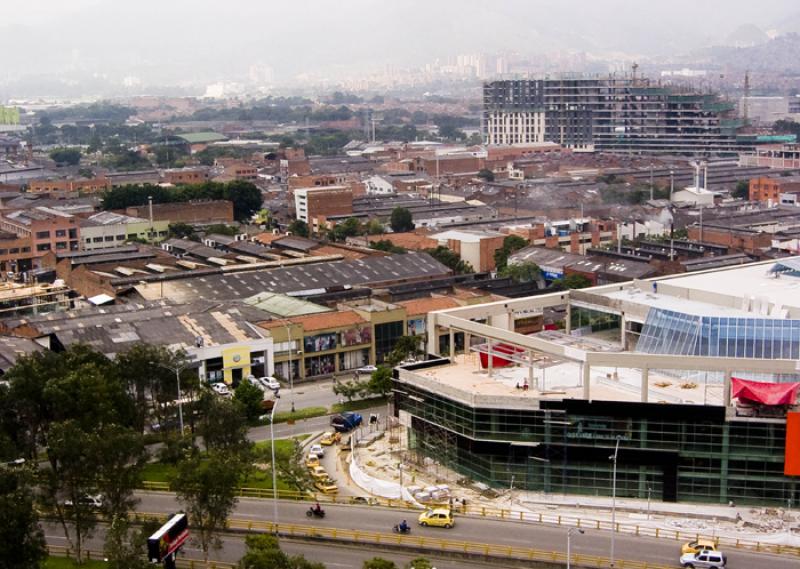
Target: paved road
477, 530
304, 427
333, 556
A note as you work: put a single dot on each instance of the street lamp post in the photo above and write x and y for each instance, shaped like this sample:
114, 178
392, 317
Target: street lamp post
291, 381
177, 368
613, 457
569, 545
274, 466
649, 492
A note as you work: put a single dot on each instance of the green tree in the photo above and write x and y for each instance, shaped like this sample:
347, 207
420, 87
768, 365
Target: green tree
351, 227
223, 425
222, 229
246, 198
66, 156
299, 227
524, 272
375, 227
120, 456
350, 389
71, 477
742, 190
387, 246
379, 563
419, 563
486, 175
250, 399
380, 382
125, 542
207, 486
401, 220
571, 282
450, 259
264, 552
181, 230
511, 244
22, 542
404, 347
169, 156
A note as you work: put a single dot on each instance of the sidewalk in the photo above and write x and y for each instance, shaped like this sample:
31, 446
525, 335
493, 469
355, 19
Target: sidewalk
777, 526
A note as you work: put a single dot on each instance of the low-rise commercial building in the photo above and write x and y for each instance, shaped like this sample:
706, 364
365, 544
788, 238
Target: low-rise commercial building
695, 385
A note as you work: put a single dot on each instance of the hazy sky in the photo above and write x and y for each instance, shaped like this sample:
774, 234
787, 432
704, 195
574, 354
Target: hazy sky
183, 40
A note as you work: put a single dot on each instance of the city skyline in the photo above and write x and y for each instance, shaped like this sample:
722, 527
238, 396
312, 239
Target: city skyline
187, 44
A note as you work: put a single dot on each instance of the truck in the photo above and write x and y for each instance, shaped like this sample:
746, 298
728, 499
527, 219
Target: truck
346, 422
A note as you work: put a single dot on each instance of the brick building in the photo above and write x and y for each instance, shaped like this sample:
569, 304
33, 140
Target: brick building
38, 230
315, 205
85, 186
197, 211
769, 190
184, 176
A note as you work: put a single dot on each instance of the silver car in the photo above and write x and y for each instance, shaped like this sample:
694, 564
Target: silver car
705, 559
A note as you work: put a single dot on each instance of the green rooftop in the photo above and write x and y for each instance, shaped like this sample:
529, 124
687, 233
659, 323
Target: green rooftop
284, 306
202, 137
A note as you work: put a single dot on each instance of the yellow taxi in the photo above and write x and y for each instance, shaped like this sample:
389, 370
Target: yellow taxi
319, 473
329, 439
312, 460
437, 517
698, 545
326, 486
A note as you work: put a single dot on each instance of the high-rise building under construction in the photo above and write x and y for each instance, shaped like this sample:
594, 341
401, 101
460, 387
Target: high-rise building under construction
610, 114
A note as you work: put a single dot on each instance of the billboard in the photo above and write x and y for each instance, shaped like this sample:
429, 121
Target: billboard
9, 115
356, 336
168, 539
320, 342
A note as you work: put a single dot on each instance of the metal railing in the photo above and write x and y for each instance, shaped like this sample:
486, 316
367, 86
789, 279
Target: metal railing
89, 555
427, 543
516, 515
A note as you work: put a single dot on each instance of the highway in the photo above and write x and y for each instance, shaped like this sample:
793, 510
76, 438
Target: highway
334, 557
479, 530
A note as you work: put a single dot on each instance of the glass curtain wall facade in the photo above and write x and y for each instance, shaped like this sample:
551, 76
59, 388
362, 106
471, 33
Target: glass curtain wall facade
670, 332
679, 452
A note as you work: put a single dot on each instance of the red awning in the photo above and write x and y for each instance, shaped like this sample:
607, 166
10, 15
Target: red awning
765, 393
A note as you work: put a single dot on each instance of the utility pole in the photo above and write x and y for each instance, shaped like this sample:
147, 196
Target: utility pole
651, 181
613, 457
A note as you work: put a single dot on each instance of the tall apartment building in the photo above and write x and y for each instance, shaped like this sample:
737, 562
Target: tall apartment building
622, 114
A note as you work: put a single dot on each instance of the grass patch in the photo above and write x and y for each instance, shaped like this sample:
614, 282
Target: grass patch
299, 414
67, 563
158, 472
161, 472
358, 404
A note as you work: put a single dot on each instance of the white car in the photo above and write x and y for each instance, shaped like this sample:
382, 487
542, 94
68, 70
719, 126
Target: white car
318, 450
220, 389
271, 383
91, 501
366, 369
705, 559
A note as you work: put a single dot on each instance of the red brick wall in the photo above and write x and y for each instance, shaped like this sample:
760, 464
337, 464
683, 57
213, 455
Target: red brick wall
212, 211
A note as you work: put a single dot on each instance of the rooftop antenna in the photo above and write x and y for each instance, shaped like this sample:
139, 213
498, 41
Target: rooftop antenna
634, 67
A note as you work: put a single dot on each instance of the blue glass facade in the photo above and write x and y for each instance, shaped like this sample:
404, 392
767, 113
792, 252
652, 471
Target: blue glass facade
677, 333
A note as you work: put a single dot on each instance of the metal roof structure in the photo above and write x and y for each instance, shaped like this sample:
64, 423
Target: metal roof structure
298, 280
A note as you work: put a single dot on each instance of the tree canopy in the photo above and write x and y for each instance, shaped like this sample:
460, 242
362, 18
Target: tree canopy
66, 156
246, 197
511, 244
401, 220
450, 259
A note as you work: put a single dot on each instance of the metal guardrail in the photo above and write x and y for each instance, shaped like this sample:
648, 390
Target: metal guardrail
61, 551
516, 515
427, 543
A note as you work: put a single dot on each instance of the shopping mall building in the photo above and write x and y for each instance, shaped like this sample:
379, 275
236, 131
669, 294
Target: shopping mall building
694, 376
